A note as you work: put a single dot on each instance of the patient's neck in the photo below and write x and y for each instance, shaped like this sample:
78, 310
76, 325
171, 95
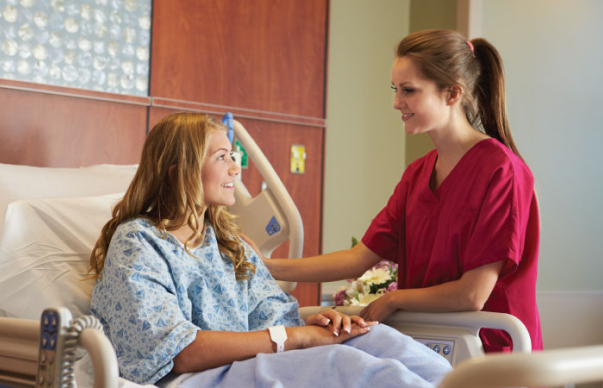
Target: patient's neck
184, 232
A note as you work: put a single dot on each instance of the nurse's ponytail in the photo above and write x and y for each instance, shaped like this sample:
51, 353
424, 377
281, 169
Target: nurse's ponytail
448, 59
490, 93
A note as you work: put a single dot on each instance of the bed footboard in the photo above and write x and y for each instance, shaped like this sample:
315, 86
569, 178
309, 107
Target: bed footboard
551, 368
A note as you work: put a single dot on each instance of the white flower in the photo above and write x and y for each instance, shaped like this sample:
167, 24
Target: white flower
364, 299
350, 292
358, 292
375, 276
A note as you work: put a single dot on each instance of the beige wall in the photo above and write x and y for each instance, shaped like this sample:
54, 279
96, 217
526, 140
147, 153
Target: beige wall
364, 156
553, 61
425, 15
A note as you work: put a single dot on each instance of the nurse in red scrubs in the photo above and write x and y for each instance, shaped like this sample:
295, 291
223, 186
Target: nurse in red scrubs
463, 222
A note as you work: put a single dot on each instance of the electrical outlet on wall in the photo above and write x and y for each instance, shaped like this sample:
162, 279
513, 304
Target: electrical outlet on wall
298, 159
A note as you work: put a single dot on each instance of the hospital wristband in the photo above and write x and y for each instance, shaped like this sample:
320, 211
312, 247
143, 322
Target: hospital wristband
278, 335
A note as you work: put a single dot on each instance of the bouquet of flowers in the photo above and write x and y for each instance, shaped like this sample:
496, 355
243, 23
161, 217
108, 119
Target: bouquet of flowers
375, 282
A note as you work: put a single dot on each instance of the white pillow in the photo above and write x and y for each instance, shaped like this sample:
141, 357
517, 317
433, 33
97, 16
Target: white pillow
45, 247
26, 182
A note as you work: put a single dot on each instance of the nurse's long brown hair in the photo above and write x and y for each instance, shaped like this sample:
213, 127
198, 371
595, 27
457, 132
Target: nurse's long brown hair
167, 190
448, 59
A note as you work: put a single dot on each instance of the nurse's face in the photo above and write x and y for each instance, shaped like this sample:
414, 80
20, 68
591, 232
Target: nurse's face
422, 104
219, 171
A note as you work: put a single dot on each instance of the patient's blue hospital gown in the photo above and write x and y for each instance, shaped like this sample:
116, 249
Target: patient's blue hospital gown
152, 297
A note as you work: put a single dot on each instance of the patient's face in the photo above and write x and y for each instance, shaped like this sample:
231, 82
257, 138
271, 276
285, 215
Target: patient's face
219, 171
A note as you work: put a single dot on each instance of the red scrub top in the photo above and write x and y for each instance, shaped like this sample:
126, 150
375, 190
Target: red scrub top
483, 212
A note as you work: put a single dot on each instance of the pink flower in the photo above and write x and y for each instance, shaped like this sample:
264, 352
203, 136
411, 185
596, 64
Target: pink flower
393, 286
339, 297
384, 264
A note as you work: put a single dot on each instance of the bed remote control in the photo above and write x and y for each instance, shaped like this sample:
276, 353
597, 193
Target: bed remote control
53, 329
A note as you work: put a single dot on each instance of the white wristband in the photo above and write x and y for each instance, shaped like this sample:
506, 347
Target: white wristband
278, 335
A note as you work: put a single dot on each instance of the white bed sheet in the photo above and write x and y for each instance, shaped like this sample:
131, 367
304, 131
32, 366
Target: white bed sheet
45, 266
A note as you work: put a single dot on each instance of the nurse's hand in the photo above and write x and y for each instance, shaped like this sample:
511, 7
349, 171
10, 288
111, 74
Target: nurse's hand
380, 309
338, 321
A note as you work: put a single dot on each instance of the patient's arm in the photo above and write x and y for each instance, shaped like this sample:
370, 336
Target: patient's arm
211, 349
469, 293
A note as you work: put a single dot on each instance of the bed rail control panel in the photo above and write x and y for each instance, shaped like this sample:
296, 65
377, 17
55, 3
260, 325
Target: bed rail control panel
54, 324
273, 227
443, 347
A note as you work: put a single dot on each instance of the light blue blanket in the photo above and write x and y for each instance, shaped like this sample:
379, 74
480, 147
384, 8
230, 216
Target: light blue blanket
381, 358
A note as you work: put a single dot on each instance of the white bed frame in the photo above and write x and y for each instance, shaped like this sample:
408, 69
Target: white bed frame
20, 339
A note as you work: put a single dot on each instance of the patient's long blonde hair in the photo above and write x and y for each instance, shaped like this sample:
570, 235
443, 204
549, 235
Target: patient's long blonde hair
167, 190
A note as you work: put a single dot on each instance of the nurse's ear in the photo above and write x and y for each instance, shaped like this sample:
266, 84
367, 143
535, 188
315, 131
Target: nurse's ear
455, 93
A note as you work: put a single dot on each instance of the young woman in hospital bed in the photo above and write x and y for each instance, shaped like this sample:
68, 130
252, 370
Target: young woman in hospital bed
178, 291
463, 222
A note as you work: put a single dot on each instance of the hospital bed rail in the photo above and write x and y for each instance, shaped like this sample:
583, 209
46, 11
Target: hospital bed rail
550, 368
19, 348
460, 330
273, 208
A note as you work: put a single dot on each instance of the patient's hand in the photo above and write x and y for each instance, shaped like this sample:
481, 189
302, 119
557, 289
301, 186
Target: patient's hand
309, 336
338, 321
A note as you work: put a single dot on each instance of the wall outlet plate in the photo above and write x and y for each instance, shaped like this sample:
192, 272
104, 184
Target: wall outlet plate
298, 159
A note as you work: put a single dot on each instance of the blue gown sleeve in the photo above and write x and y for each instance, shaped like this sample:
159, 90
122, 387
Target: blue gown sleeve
269, 304
141, 308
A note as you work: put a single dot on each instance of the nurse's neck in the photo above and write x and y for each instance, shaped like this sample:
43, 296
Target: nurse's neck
453, 141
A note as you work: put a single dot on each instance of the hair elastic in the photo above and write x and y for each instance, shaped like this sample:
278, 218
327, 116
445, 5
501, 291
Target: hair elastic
470, 45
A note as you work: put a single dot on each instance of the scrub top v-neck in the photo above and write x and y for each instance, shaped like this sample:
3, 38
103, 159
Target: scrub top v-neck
483, 212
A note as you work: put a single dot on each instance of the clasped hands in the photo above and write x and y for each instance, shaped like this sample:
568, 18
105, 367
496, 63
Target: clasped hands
338, 326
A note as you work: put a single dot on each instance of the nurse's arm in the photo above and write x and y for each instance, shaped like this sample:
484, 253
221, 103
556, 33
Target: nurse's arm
469, 293
346, 264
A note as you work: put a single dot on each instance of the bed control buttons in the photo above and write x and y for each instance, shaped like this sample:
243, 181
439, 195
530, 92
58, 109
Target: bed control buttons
443, 347
53, 329
273, 227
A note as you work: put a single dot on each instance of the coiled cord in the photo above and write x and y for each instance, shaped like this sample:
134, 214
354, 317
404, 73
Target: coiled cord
71, 344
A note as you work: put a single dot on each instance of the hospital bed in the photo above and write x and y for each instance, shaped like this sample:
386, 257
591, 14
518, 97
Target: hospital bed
45, 244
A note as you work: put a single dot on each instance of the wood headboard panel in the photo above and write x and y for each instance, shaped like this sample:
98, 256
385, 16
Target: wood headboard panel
53, 130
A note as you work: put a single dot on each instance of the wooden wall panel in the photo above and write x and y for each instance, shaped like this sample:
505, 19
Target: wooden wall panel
275, 140
39, 129
265, 61
267, 55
